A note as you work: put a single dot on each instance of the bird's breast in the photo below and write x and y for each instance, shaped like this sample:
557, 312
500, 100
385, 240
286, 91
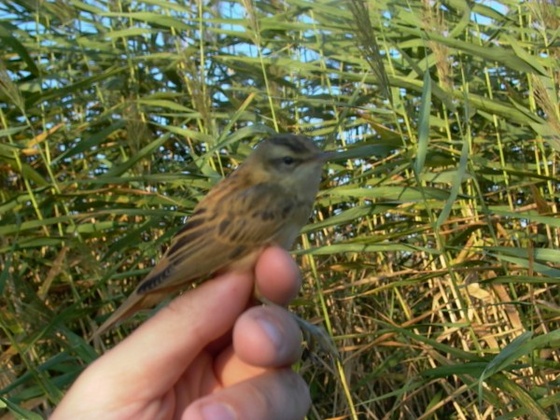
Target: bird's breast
298, 218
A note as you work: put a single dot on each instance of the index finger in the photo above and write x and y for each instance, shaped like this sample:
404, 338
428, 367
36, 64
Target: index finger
151, 359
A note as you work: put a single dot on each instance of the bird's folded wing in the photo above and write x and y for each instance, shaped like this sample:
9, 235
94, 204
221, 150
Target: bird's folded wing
215, 237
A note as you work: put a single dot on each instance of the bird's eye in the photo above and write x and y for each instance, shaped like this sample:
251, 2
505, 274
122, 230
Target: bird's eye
288, 160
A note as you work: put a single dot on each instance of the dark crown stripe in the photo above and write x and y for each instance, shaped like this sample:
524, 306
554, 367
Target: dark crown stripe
294, 143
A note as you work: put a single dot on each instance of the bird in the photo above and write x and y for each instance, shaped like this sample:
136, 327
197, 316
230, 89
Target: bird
264, 202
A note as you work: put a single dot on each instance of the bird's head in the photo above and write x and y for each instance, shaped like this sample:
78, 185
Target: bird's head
294, 161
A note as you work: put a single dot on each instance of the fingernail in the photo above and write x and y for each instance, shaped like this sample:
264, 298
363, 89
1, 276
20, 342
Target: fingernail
271, 329
217, 411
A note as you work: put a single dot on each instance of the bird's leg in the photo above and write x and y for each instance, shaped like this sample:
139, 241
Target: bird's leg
315, 336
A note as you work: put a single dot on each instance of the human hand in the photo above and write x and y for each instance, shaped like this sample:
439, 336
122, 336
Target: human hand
204, 356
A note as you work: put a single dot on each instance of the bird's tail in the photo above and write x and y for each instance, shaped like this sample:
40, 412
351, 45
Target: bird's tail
133, 304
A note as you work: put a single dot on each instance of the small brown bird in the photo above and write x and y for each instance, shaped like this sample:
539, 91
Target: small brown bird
265, 201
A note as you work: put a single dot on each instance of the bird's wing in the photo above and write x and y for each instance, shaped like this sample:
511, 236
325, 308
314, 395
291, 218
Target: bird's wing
216, 236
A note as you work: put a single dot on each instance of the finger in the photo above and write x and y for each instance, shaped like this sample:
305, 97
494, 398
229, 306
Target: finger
263, 338
277, 276
174, 337
276, 394
267, 336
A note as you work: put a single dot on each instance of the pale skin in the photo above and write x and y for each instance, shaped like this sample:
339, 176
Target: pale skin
208, 355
